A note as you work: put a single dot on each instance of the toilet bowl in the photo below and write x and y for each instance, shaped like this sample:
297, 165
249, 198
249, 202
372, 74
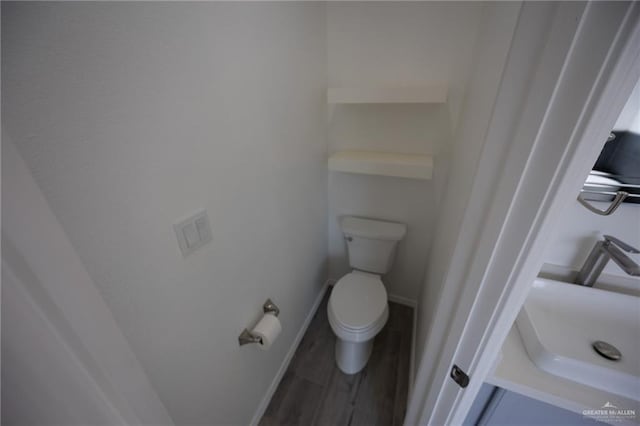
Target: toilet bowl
358, 308
357, 312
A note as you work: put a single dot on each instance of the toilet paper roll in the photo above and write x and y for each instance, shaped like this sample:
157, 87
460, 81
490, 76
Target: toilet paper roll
268, 329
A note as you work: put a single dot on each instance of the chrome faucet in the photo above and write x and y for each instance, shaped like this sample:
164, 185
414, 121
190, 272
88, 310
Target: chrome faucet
608, 248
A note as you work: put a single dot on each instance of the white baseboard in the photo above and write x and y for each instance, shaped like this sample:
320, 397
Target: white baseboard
287, 359
403, 301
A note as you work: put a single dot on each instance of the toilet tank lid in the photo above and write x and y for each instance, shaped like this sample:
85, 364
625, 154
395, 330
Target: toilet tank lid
373, 229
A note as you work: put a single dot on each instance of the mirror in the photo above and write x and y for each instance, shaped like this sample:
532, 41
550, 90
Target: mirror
617, 169
618, 166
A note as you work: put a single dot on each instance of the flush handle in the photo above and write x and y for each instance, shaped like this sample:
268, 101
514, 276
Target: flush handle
459, 376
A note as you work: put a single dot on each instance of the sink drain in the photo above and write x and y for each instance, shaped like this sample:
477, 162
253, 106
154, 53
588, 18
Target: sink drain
607, 350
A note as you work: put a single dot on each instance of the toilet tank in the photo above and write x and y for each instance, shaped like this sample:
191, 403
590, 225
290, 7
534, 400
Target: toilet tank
371, 244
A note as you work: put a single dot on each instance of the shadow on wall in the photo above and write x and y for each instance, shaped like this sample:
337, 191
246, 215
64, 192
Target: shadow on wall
34, 329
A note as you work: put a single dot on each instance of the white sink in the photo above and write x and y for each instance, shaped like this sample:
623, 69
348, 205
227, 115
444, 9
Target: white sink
559, 322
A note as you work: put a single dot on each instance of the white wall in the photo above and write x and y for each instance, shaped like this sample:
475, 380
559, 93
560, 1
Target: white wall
490, 54
402, 44
131, 115
395, 44
630, 116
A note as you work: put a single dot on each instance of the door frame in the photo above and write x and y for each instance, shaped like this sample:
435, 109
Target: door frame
570, 70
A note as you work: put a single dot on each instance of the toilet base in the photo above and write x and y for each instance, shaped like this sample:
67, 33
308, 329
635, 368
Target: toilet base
351, 357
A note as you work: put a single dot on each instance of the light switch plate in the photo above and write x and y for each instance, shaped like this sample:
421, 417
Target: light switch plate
193, 232
190, 234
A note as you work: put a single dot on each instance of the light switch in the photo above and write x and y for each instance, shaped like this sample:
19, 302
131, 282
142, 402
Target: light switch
202, 226
193, 232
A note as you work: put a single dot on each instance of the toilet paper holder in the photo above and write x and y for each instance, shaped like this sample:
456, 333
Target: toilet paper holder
246, 337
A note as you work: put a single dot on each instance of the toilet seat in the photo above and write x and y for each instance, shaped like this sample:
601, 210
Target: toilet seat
358, 306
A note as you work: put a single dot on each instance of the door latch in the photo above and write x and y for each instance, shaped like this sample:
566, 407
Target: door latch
459, 376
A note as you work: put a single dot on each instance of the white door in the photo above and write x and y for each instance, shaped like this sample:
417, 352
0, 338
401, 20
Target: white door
570, 70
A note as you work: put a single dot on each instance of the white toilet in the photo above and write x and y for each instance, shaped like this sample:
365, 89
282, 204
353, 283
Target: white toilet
357, 307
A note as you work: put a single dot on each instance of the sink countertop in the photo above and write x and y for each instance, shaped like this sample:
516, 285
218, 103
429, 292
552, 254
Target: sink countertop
516, 372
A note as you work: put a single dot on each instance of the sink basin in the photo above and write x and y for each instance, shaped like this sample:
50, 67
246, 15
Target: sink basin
559, 322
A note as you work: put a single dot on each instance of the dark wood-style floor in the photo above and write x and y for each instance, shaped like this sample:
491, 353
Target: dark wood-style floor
314, 391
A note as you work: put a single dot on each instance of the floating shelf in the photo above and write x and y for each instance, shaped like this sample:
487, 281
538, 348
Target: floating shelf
383, 164
389, 95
